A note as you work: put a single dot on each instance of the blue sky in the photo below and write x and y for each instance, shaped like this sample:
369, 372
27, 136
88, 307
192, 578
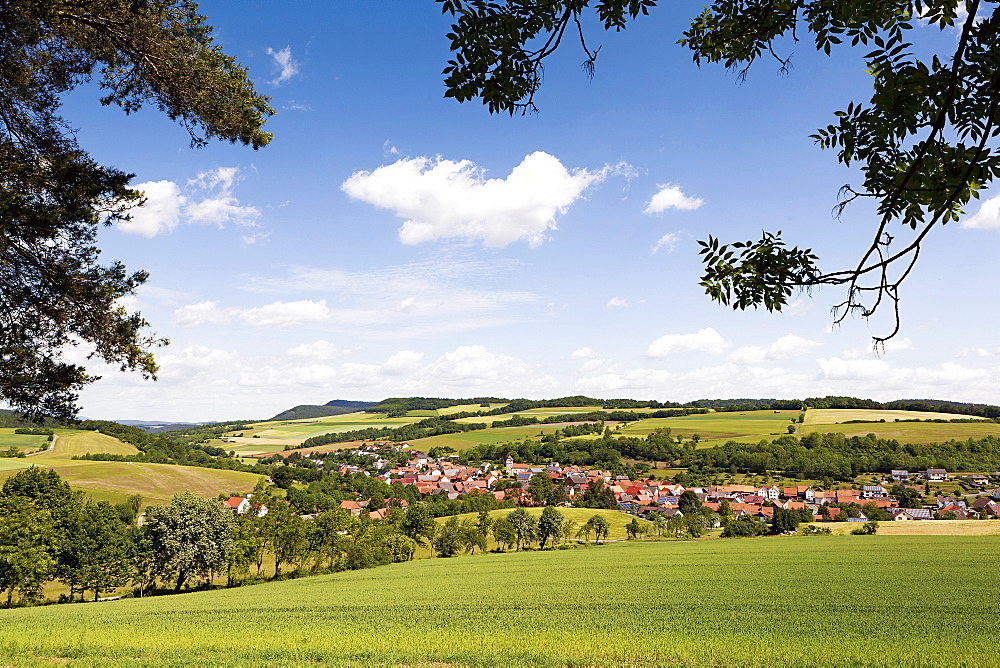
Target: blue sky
391, 242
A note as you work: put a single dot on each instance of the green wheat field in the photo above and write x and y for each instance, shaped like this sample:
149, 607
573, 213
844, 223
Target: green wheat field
832, 600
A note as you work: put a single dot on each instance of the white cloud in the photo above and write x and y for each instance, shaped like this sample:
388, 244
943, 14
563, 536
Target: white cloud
277, 314
893, 345
286, 314
194, 315
988, 216
616, 302
440, 198
704, 340
403, 362
668, 241
788, 346
318, 351
670, 197
583, 353
166, 206
160, 213
286, 66
835, 368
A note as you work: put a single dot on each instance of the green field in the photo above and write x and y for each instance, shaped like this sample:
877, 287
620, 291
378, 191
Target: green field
467, 439
8, 439
717, 428
836, 600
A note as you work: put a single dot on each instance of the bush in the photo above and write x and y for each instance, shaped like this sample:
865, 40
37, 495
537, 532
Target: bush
869, 528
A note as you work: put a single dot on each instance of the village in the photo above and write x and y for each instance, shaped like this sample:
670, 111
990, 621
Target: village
901, 495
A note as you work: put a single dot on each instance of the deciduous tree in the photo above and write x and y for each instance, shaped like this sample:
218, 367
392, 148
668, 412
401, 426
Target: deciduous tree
191, 537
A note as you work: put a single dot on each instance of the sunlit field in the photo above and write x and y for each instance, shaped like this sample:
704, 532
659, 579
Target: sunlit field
766, 601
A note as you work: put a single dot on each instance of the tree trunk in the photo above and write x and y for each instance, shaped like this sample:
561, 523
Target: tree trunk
181, 576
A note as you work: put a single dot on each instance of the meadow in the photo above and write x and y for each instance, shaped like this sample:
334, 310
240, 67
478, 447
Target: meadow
823, 600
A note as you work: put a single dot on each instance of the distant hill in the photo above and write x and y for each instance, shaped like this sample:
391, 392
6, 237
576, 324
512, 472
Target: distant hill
154, 427
356, 405
336, 407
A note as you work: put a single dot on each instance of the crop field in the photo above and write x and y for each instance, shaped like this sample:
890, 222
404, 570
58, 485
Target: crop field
293, 432
838, 415
157, 483
824, 600
72, 443
926, 528
717, 428
12, 465
468, 439
911, 432
8, 439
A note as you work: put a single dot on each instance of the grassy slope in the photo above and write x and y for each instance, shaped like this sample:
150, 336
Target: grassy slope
113, 481
772, 601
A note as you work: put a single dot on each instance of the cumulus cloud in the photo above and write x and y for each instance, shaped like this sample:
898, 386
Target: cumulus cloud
440, 198
988, 216
206, 200
584, 353
616, 302
788, 346
670, 196
286, 66
403, 362
277, 314
160, 213
705, 340
668, 241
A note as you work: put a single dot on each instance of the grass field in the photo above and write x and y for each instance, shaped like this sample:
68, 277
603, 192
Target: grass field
755, 602
717, 428
8, 439
468, 439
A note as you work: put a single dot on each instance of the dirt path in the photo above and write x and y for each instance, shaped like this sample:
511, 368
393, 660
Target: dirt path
52, 445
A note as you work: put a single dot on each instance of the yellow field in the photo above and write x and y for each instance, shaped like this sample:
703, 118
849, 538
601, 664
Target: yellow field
74, 443
925, 528
838, 415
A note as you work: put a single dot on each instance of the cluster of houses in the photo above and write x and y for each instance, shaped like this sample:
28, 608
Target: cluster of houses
645, 497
